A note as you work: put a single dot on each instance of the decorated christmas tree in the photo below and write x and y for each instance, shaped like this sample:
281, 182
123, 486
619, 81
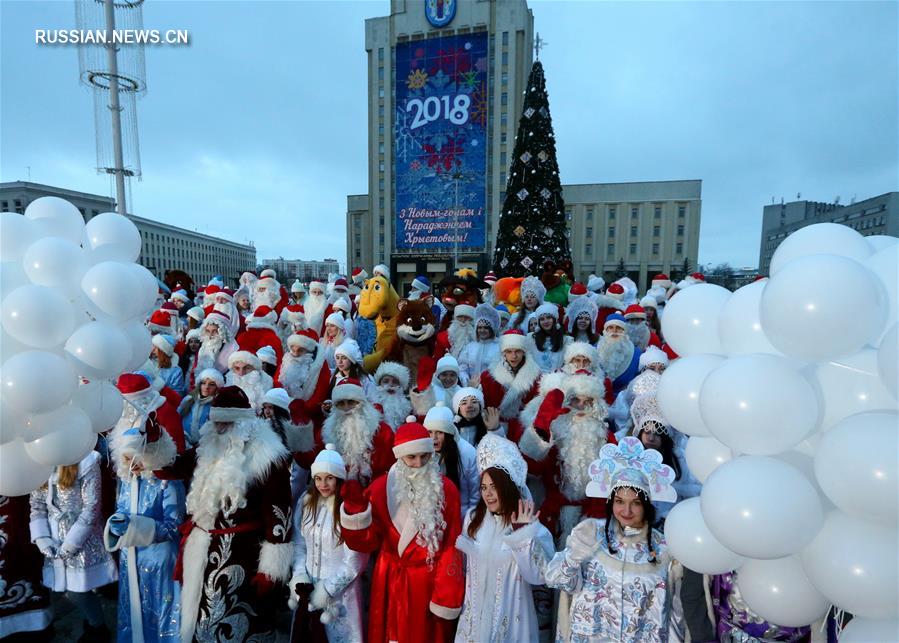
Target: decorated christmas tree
532, 223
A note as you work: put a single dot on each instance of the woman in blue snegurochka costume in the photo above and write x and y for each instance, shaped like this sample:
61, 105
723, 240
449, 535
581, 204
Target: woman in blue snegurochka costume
618, 571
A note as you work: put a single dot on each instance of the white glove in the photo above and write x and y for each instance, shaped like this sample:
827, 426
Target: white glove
294, 598
47, 547
582, 542
68, 550
319, 598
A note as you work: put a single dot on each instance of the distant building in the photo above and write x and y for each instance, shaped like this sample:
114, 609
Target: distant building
305, 271
877, 215
164, 247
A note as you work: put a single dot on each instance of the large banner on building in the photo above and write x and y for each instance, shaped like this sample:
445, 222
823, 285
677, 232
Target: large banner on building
440, 143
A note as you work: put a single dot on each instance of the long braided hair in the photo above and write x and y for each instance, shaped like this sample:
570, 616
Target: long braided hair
649, 518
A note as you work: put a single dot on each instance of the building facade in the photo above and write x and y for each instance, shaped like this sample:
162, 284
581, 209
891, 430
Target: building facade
163, 247
877, 215
305, 271
504, 28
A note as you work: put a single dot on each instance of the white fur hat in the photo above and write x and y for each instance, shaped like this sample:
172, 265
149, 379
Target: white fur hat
348, 389
165, 343
268, 272
467, 392
350, 349
197, 313
489, 315
267, 355
307, 338
649, 301
595, 284
297, 286
447, 363
440, 418
193, 333
581, 306
246, 357
394, 369
463, 310
343, 304
330, 462
653, 355
211, 374
315, 283
547, 309
582, 349
513, 339
586, 385
533, 285
335, 319
382, 270
277, 397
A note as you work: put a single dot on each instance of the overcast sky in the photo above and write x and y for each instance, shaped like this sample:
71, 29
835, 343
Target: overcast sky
257, 130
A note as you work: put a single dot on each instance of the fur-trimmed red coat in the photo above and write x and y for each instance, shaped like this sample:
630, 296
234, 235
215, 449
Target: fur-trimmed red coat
252, 339
510, 392
308, 407
410, 601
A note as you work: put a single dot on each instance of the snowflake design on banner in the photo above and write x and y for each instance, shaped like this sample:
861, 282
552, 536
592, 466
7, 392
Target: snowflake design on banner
416, 79
479, 105
404, 141
469, 79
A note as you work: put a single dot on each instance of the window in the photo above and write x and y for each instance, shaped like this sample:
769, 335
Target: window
380, 54
657, 212
505, 58
380, 148
635, 211
380, 92
681, 211
679, 248
505, 78
612, 213
381, 111
381, 238
633, 248
502, 159
611, 232
503, 137
589, 232
505, 37
633, 231
504, 99
589, 214
358, 255
655, 248
380, 166
381, 220
680, 229
380, 130
381, 202
588, 250
503, 118
610, 250
380, 73
656, 231
380, 184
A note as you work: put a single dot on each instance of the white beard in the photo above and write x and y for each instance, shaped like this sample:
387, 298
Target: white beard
255, 384
293, 374
578, 439
615, 356
639, 335
352, 434
315, 310
397, 406
267, 297
421, 491
221, 485
459, 336
209, 352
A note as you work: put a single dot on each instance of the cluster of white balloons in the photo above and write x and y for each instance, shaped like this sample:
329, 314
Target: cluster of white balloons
72, 314
788, 389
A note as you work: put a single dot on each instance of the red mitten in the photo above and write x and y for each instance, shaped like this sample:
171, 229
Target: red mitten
354, 501
550, 409
262, 584
152, 428
426, 369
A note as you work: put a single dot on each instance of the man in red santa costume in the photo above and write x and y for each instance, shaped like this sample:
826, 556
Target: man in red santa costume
565, 437
245, 371
358, 433
236, 544
261, 331
216, 345
411, 517
610, 302
389, 396
459, 334
315, 305
268, 292
223, 302
303, 371
512, 380
144, 404
291, 320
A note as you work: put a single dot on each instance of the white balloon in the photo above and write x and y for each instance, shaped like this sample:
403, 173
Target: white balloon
37, 381
12, 276
102, 402
16, 234
146, 292
56, 217
853, 563
850, 385
758, 404
818, 239
802, 458
112, 237
822, 307
12, 423
857, 466
880, 241
888, 361
678, 392
98, 350
73, 439
885, 265
19, 474
866, 630
690, 322
111, 286
56, 263
740, 326
10, 346
37, 316
760, 507
704, 455
780, 592
691, 542
141, 344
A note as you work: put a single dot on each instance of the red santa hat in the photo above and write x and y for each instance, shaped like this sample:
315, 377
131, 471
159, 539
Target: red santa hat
160, 322
307, 338
348, 389
412, 438
634, 311
231, 405
132, 385
218, 318
697, 276
277, 397
169, 308
661, 280
584, 384
490, 278
263, 317
615, 290
227, 293
293, 314
577, 290
212, 289
513, 339
463, 310
359, 275
316, 284
341, 285
329, 462
268, 272
246, 357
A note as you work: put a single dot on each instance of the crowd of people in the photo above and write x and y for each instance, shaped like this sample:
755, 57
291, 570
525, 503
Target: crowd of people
512, 485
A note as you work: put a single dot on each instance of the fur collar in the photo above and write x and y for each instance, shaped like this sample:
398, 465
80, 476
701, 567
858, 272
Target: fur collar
605, 301
258, 324
520, 382
312, 379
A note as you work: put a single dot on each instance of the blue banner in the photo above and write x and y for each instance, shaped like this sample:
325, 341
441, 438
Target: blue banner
440, 143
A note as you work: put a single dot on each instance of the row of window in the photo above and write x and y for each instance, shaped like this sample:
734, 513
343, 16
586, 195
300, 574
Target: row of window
635, 212
632, 249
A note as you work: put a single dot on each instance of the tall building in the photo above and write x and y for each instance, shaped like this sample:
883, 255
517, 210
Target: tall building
163, 246
445, 84
877, 215
305, 271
